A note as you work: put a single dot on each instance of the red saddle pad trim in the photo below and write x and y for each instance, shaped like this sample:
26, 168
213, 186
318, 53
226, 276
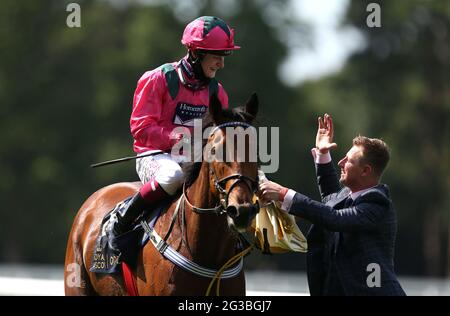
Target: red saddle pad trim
130, 282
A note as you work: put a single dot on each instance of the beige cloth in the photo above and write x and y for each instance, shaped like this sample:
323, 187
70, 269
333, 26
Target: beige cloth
282, 232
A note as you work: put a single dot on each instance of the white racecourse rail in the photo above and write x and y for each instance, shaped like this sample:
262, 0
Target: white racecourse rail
42, 287
27, 280
48, 281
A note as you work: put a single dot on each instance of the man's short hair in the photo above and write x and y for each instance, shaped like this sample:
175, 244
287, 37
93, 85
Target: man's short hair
375, 153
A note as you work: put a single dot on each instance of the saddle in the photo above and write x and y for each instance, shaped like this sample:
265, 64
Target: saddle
110, 251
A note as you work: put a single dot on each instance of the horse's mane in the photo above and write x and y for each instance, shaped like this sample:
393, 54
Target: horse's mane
237, 114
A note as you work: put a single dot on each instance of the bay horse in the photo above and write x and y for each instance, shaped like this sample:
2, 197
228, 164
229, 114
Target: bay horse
217, 195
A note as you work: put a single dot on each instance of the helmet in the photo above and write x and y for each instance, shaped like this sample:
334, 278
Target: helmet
209, 33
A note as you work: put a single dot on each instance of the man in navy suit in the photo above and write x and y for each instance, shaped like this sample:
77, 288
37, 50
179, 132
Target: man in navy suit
351, 242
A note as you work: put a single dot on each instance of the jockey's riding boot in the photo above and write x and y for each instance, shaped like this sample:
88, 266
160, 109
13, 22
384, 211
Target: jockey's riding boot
149, 195
129, 215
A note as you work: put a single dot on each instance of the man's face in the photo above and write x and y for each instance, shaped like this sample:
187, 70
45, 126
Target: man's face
211, 63
351, 168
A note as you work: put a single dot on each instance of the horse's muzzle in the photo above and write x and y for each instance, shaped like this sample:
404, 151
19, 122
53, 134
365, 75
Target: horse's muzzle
242, 215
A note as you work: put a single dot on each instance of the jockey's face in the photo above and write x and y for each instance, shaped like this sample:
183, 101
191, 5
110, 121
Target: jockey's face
211, 64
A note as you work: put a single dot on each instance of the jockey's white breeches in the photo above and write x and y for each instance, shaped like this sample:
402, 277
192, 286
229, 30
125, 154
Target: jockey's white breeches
164, 168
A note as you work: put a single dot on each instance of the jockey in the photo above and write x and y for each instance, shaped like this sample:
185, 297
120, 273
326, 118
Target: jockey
170, 96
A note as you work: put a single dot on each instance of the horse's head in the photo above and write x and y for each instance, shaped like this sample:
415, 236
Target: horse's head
231, 150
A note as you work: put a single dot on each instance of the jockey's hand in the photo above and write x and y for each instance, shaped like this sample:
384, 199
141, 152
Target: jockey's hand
325, 133
271, 191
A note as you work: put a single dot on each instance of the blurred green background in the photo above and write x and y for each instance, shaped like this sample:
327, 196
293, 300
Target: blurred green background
66, 95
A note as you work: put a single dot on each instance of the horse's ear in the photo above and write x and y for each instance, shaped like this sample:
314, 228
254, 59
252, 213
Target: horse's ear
251, 107
215, 107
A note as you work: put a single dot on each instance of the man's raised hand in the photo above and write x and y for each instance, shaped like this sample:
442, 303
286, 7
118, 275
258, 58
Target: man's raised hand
325, 131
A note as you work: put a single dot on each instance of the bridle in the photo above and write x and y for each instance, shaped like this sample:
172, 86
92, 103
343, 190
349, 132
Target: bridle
221, 208
219, 184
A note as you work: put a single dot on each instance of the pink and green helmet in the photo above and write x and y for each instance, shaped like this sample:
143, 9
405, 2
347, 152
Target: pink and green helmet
209, 33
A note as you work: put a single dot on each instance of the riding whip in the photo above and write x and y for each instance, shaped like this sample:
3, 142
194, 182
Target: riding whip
110, 162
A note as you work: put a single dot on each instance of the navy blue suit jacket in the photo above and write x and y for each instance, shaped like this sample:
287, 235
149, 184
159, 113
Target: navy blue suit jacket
364, 234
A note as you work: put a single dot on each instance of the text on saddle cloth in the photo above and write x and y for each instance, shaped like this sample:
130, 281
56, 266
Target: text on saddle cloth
110, 251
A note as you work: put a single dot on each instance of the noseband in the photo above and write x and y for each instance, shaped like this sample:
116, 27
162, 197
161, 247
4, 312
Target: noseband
220, 184
224, 194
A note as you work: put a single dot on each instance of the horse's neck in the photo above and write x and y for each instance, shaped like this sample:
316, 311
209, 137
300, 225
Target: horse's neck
209, 237
199, 193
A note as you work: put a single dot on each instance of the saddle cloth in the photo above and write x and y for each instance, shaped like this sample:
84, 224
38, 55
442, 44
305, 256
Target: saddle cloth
110, 252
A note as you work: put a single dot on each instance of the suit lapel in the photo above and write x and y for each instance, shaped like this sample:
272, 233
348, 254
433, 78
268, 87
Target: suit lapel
341, 196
